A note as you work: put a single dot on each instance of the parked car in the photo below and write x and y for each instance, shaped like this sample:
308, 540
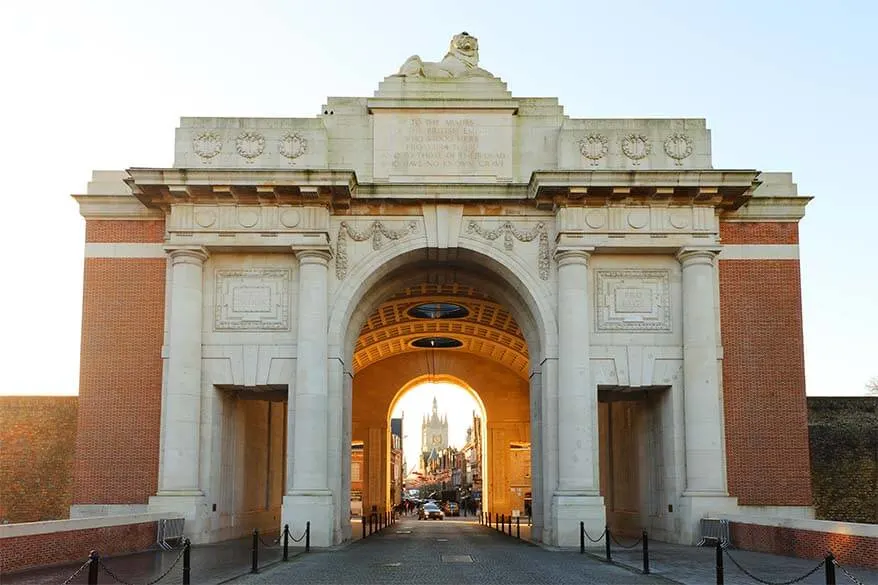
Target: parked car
430, 511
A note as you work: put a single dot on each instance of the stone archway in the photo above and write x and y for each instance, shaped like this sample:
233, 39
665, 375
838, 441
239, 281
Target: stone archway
501, 277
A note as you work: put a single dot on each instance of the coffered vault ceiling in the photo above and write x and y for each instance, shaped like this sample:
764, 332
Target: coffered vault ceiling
488, 331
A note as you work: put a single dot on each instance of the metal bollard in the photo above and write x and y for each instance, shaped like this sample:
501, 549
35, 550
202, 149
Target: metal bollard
308, 536
363, 522
286, 542
720, 579
254, 553
370, 524
518, 527
830, 569
607, 538
645, 553
581, 537
93, 561
502, 522
187, 562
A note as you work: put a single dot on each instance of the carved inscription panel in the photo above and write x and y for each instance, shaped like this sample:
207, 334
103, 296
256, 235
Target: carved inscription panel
473, 145
632, 300
252, 300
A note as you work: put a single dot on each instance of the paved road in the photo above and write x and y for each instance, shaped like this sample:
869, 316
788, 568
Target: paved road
437, 552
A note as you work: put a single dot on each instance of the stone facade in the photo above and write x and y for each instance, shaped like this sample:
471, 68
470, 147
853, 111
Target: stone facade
602, 261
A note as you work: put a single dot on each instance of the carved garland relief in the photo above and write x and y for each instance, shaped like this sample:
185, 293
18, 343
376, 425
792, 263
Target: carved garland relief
377, 231
252, 300
635, 147
510, 232
249, 146
632, 300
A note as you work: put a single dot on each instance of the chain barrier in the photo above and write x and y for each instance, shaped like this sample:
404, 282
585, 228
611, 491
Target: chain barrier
301, 538
637, 543
764, 582
116, 578
85, 564
273, 543
843, 570
598, 539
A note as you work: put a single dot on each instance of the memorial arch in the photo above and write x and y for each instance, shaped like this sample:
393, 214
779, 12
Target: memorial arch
247, 307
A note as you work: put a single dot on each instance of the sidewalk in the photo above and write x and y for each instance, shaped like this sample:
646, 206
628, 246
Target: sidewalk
211, 563
692, 565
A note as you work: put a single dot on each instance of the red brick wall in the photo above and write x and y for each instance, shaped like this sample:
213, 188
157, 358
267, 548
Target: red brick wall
22, 552
117, 445
37, 435
860, 551
764, 372
125, 231
773, 232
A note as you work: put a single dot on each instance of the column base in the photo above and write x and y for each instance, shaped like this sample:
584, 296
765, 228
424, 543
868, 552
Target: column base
191, 507
568, 510
313, 506
697, 505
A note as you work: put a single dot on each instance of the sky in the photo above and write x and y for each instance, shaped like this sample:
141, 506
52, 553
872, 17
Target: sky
784, 86
452, 401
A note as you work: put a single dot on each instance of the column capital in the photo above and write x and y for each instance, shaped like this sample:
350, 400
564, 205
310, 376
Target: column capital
691, 255
187, 254
313, 255
569, 255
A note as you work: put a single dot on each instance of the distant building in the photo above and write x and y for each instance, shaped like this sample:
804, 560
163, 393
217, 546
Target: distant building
397, 471
434, 436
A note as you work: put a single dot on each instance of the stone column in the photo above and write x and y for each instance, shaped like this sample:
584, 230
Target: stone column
705, 490
577, 497
309, 497
181, 411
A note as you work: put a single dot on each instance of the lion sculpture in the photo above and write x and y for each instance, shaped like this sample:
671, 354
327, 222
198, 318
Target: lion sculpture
461, 60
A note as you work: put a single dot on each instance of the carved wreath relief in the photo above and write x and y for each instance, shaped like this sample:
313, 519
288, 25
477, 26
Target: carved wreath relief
250, 145
292, 146
636, 147
252, 300
377, 231
594, 147
207, 145
510, 232
632, 300
678, 147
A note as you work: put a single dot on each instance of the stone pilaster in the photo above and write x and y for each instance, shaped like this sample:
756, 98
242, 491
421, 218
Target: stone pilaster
181, 411
179, 487
577, 497
705, 491
308, 496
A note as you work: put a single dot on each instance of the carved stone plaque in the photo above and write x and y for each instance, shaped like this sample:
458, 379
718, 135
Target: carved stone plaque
632, 300
252, 300
450, 145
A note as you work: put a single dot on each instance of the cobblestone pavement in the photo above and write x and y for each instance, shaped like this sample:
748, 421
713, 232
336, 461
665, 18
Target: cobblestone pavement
437, 552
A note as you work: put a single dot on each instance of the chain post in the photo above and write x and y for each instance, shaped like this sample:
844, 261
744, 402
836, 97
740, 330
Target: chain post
720, 578
829, 563
581, 537
645, 553
93, 562
254, 553
518, 527
607, 537
308, 536
187, 561
286, 542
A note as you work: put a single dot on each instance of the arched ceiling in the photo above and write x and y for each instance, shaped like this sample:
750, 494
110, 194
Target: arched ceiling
489, 330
